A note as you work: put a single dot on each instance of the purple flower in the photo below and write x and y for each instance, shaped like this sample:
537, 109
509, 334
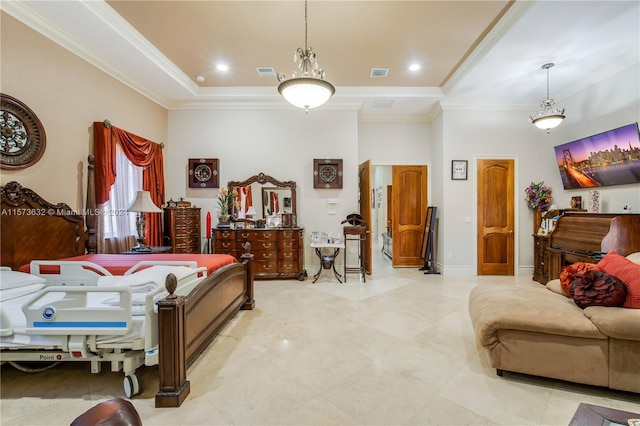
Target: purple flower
538, 196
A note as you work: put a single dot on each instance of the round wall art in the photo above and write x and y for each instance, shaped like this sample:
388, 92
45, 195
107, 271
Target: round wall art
22, 137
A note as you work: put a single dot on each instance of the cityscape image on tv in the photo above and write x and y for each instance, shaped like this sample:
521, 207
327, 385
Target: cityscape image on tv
608, 158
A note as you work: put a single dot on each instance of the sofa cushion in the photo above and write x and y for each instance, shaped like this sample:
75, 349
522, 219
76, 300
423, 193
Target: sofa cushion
595, 288
617, 323
496, 307
568, 272
556, 287
628, 272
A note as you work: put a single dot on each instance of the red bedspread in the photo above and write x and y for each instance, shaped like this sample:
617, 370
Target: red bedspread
118, 264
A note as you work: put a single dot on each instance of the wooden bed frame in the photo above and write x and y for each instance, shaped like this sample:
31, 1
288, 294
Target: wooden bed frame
33, 228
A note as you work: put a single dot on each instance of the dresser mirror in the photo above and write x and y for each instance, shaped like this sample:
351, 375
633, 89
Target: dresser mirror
268, 196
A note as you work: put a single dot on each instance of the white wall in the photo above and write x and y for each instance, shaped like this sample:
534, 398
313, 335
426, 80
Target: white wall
68, 95
472, 134
608, 105
282, 144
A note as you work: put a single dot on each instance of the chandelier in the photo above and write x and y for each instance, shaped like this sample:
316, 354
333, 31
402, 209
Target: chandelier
307, 87
550, 116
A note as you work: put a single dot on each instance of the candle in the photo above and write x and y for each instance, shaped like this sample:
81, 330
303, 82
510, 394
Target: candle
208, 225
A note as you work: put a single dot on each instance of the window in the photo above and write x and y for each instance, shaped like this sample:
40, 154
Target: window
121, 195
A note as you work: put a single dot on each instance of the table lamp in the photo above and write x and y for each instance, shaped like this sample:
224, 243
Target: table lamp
251, 212
142, 204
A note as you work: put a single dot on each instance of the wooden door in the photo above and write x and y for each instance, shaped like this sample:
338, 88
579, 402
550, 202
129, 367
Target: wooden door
495, 217
364, 179
409, 206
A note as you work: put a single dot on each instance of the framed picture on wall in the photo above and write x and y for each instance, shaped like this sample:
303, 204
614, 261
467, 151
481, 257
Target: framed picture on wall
203, 173
327, 173
459, 170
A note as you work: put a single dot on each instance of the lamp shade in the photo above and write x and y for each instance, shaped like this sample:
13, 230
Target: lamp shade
306, 92
548, 122
143, 203
251, 211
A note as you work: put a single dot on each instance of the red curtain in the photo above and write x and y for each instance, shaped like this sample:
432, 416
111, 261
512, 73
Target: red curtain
244, 194
275, 203
142, 153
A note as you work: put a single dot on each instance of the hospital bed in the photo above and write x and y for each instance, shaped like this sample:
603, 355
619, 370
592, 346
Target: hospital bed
83, 313
34, 228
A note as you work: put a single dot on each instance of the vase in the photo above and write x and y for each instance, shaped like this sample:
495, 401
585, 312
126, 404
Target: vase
593, 201
224, 221
537, 220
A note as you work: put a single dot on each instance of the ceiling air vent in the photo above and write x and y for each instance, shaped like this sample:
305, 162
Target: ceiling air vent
379, 72
266, 72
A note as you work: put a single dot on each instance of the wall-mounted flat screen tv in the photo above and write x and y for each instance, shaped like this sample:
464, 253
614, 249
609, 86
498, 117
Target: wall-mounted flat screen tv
608, 158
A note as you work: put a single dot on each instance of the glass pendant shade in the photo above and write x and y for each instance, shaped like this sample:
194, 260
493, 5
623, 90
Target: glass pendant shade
307, 87
549, 116
306, 92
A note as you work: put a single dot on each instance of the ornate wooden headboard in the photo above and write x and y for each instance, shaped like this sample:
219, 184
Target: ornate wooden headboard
32, 228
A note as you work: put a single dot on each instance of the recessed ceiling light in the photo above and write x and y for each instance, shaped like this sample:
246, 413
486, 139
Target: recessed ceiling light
199, 78
414, 67
222, 67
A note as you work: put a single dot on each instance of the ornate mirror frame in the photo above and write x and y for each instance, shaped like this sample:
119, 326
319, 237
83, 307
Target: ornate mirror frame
263, 179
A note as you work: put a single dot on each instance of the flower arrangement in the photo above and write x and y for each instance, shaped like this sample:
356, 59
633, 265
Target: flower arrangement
538, 196
226, 200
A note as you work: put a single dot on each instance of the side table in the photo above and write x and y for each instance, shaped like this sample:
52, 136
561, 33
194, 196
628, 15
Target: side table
327, 261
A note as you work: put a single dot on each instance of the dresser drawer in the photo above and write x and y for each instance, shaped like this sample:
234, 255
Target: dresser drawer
287, 267
186, 213
289, 256
224, 235
265, 267
290, 235
257, 235
186, 240
269, 255
263, 245
187, 248
225, 245
288, 245
187, 232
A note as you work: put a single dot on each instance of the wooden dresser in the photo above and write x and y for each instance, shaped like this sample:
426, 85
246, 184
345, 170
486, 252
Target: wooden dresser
182, 229
278, 253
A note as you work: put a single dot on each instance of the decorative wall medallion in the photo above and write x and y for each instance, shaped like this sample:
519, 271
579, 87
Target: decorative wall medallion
203, 173
327, 173
22, 137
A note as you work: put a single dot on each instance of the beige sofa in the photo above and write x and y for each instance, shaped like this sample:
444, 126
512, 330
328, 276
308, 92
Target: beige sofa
539, 331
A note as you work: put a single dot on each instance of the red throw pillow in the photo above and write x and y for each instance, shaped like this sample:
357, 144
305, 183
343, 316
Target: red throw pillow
568, 272
595, 288
628, 272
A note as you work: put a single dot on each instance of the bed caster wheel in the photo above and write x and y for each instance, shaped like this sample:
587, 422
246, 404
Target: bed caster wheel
132, 385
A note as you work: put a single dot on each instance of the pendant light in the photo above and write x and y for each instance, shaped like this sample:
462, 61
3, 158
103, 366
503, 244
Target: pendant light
550, 116
307, 87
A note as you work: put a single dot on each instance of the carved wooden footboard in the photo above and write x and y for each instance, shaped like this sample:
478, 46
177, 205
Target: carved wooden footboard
186, 325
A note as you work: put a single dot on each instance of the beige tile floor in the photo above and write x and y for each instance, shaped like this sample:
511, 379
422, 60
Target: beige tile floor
396, 350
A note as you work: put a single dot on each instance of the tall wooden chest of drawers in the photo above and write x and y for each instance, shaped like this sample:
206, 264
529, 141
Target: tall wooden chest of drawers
182, 229
278, 253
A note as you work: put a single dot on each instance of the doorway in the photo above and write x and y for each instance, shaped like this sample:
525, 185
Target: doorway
395, 213
496, 219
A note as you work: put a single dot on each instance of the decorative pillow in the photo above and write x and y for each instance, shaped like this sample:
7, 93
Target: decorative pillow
595, 288
628, 272
13, 279
568, 272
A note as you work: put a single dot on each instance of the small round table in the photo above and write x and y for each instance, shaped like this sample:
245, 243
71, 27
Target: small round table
327, 261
